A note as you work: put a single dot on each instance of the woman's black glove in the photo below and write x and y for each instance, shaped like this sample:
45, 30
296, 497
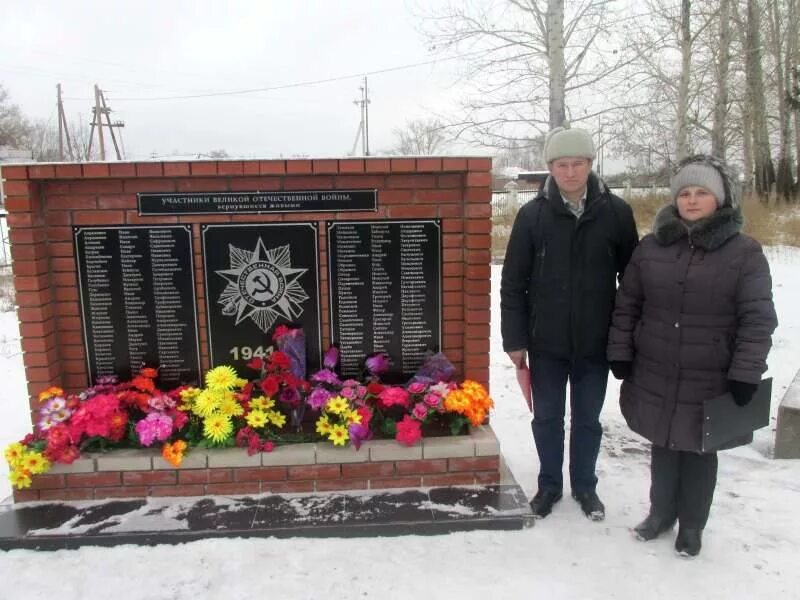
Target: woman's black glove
621, 369
742, 392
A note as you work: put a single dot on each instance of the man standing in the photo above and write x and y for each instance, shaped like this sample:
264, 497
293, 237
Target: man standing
566, 249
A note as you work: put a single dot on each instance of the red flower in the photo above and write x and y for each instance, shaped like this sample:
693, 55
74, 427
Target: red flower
267, 446
143, 383
391, 396
408, 431
256, 363
366, 415
270, 385
374, 388
279, 360
148, 372
280, 331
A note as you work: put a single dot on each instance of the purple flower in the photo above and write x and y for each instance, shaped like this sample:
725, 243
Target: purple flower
377, 363
55, 404
331, 358
326, 376
318, 398
358, 433
290, 396
420, 411
436, 367
293, 345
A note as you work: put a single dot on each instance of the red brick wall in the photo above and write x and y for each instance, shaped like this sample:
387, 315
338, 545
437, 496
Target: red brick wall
44, 201
480, 470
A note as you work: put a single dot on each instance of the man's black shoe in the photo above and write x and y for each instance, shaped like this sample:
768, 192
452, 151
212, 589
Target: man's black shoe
652, 527
543, 501
590, 505
688, 542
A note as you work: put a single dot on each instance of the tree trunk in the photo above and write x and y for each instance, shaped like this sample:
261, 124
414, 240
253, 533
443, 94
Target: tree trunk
556, 64
721, 93
747, 148
762, 156
681, 124
781, 54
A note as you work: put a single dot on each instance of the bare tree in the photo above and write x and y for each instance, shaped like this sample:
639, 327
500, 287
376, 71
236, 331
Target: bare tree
762, 155
14, 127
420, 137
718, 145
531, 64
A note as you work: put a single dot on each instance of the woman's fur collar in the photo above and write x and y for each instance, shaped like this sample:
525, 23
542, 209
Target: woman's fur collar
709, 233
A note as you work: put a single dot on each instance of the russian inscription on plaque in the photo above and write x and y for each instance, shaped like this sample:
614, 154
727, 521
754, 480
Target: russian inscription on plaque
385, 279
259, 276
256, 202
137, 297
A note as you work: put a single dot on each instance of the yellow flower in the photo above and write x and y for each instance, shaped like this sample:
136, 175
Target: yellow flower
14, 454
50, 392
217, 428
352, 417
223, 377
276, 418
338, 435
256, 418
323, 425
35, 463
190, 393
261, 403
337, 405
229, 407
206, 403
20, 479
240, 383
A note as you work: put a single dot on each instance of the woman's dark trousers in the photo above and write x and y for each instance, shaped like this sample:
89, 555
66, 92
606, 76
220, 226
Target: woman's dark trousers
682, 485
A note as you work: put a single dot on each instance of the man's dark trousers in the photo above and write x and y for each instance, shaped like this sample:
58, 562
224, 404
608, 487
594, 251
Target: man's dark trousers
587, 379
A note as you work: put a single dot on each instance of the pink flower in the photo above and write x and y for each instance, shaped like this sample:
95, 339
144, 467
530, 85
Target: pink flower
348, 393
318, 398
155, 426
420, 410
417, 387
432, 399
408, 431
391, 396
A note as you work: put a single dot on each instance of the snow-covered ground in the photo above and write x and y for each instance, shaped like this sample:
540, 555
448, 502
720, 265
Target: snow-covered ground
751, 546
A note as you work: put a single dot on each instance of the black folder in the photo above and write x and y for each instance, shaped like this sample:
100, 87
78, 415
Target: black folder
724, 420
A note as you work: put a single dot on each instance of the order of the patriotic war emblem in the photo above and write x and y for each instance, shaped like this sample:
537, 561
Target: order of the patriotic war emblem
262, 285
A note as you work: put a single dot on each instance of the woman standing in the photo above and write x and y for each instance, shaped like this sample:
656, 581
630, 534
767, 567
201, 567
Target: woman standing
693, 319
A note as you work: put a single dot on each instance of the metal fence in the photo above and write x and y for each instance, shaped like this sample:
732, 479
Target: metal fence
5, 246
506, 204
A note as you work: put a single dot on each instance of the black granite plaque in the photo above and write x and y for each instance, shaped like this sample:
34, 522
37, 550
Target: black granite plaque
257, 277
137, 297
385, 295
257, 202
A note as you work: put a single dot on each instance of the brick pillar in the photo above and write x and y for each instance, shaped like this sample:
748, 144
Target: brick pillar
30, 253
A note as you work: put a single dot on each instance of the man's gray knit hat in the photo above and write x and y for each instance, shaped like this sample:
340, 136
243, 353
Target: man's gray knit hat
563, 142
701, 175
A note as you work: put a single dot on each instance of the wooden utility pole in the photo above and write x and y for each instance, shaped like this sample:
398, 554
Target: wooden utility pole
99, 110
63, 129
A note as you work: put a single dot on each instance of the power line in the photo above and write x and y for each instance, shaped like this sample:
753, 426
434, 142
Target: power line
299, 84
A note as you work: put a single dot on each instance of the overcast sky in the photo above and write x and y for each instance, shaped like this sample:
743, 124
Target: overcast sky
157, 49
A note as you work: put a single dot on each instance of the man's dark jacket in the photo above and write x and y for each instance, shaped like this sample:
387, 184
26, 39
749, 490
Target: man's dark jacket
559, 275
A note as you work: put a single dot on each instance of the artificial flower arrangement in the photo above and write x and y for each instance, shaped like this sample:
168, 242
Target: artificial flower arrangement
229, 411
